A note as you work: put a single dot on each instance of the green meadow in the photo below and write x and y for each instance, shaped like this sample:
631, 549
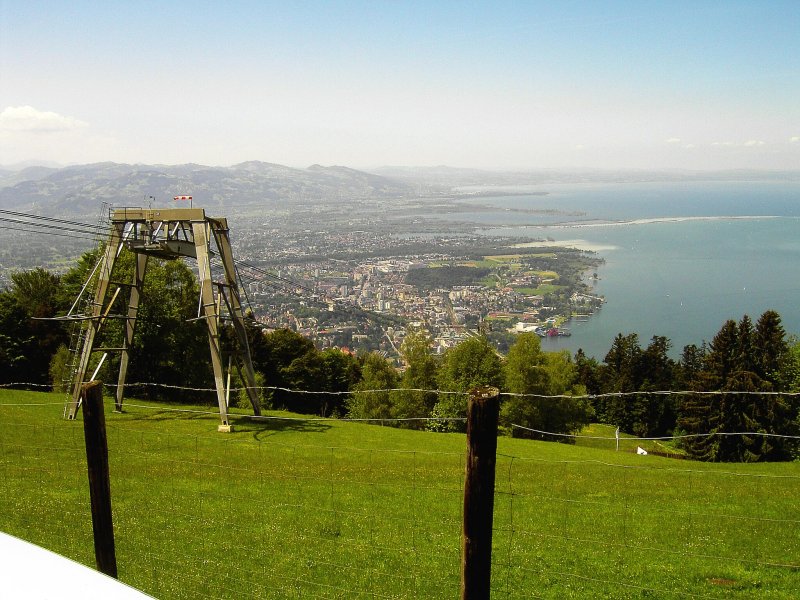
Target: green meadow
290, 507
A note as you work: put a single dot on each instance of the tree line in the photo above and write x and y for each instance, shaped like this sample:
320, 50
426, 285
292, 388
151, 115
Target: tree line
741, 381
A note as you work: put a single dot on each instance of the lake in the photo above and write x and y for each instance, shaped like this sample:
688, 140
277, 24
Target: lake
686, 257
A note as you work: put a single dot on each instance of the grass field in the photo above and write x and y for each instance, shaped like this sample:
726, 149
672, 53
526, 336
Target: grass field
545, 288
331, 509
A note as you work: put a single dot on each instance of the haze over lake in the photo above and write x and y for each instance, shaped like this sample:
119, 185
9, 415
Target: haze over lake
681, 258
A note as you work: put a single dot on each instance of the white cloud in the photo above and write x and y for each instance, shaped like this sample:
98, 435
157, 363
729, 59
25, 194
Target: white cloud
794, 139
676, 141
29, 119
747, 144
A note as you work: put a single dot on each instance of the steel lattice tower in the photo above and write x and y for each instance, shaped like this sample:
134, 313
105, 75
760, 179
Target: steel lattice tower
169, 233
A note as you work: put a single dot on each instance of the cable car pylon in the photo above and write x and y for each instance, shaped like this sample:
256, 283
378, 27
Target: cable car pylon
168, 233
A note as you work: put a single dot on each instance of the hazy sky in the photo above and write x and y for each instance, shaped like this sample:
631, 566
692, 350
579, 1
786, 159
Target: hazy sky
637, 84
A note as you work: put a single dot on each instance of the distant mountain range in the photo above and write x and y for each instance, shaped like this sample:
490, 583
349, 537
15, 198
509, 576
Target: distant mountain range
82, 189
444, 177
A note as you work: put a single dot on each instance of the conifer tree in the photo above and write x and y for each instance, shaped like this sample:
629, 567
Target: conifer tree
771, 349
654, 414
743, 425
690, 367
745, 354
701, 415
620, 373
695, 410
588, 372
722, 359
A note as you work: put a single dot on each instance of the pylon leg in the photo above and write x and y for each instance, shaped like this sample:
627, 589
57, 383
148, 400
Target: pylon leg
110, 257
211, 313
130, 325
235, 306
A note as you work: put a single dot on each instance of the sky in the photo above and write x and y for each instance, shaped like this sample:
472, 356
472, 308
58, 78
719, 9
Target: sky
496, 85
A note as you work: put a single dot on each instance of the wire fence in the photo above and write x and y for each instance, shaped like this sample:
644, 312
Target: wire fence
322, 508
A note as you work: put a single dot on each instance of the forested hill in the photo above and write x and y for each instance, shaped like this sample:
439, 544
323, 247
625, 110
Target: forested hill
81, 189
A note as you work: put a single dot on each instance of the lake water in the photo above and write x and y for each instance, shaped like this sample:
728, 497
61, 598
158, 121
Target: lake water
687, 257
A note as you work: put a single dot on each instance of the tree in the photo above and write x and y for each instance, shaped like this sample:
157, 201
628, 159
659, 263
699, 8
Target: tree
305, 373
525, 367
693, 410
371, 398
36, 291
745, 354
526, 372
741, 411
15, 340
771, 350
341, 372
656, 368
739, 424
243, 400
472, 363
588, 372
688, 371
619, 373
722, 359
27, 343
272, 354
545, 376
170, 346
702, 415
420, 374
790, 373
621, 363
651, 414
60, 369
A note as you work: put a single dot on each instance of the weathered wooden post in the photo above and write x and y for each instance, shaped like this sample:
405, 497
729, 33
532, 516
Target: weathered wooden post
483, 411
94, 432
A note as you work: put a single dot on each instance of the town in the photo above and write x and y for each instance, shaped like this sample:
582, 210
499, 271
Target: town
362, 291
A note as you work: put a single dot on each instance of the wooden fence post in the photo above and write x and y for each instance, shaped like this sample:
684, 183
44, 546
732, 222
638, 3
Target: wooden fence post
483, 411
94, 432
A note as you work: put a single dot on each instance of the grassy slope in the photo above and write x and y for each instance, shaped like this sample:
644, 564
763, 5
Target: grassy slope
331, 509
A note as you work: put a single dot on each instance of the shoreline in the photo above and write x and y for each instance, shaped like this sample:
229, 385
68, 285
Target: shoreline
584, 245
649, 220
589, 246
